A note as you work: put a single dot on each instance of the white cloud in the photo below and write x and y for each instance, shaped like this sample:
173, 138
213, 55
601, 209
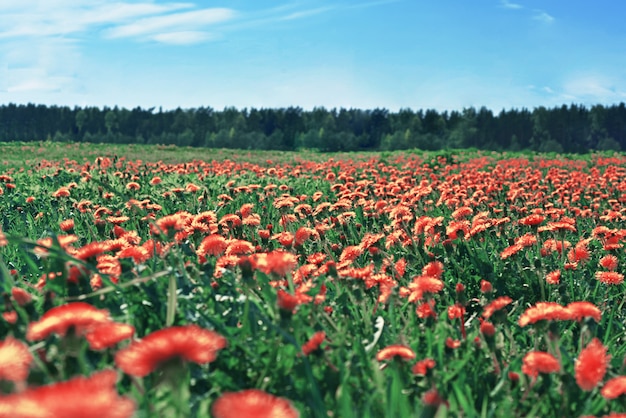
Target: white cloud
58, 17
595, 89
182, 37
175, 22
306, 13
543, 17
508, 5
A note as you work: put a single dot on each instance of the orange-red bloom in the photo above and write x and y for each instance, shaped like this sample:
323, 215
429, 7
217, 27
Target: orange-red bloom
190, 343
15, 360
396, 350
537, 362
108, 334
93, 396
614, 388
314, 343
252, 403
584, 309
496, 305
548, 311
609, 262
79, 316
610, 277
591, 365
422, 367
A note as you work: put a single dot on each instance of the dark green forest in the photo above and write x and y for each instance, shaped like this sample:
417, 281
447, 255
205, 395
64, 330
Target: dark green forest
571, 129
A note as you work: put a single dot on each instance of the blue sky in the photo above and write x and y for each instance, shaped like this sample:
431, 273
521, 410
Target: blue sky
443, 54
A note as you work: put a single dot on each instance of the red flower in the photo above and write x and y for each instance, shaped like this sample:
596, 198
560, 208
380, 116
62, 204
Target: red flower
277, 262
609, 262
212, 245
93, 396
584, 309
614, 388
80, 316
532, 220
190, 342
537, 362
485, 286
252, 403
554, 277
314, 343
610, 277
426, 310
496, 305
21, 296
67, 225
397, 350
15, 360
487, 329
422, 367
591, 365
108, 334
548, 311
452, 344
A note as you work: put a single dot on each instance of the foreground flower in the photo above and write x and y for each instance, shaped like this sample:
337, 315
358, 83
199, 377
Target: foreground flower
537, 362
591, 365
79, 316
108, 334
93, 396
189, 343
422, 367
391, 351
252, 403
584, 309
15, 360
614, 387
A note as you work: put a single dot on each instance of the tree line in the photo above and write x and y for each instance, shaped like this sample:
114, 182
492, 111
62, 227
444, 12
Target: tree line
572, 129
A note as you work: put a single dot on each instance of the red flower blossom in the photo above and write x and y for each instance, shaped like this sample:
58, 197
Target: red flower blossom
591, 365
15, 360
452, 343
537, 362
510, 251
487, 329
314, 343
212, 245
432, 398
532, 220
610, 277
21, 296
554, 277
79, 316
67, 225
426, 310
422, 367
190, 343
584, 309
93, 396
252, 403
277, 262
433, 269
496, 305
396, 350
614, 388
108, 334
609, 262
485, 286
548, 311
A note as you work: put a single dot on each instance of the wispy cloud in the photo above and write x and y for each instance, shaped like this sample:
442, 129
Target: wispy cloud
155, 27
60, 17
543, 16
508, 5
306, 13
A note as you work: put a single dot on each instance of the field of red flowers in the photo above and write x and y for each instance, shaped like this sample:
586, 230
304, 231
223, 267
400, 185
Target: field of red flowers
471, 285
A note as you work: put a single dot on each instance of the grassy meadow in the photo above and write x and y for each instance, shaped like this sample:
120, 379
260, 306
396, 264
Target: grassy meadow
160, 281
